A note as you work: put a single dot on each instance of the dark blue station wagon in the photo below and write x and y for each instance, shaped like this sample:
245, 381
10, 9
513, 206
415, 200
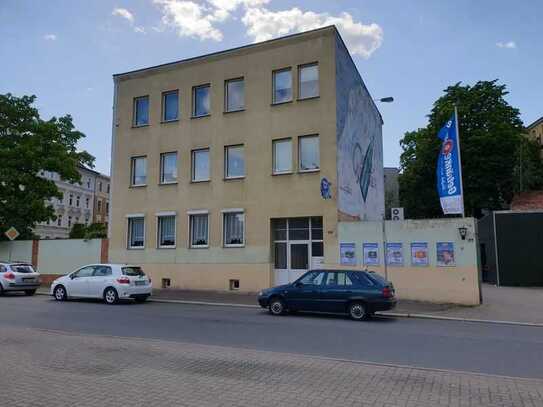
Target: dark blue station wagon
357, 293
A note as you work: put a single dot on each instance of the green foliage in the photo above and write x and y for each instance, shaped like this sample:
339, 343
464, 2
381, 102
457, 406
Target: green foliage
491, 134
93, 231
78, 231
29, 145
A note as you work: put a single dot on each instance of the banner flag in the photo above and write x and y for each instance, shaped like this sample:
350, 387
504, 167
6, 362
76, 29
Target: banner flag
449, 169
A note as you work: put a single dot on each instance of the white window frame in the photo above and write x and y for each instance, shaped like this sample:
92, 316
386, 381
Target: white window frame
133, 168
277, 71
158, 229
274, 142
161, 169
194, 91
226, 148
300, 138
135, 111
163, 116
225, 212
300, 69
190, 214
226, 83
193, 162
128, 239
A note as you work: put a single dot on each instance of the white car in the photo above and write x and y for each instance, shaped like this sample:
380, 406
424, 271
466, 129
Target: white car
17, 276
110, 282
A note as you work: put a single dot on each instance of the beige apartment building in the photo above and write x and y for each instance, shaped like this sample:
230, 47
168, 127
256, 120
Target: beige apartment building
232, 170
535, 132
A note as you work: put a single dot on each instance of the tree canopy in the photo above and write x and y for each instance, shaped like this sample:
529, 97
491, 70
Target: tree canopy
29, 146
498, 160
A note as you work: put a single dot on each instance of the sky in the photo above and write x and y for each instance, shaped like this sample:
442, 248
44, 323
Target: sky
65, 52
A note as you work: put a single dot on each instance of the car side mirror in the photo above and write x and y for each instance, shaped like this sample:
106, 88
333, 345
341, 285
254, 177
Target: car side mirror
72, 276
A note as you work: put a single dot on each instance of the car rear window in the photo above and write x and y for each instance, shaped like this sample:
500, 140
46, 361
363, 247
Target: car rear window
22, 268
378, 278
133, 271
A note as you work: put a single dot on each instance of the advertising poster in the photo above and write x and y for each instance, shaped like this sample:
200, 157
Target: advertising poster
371, 254
419, 254
347, 254
445, 254
394, 256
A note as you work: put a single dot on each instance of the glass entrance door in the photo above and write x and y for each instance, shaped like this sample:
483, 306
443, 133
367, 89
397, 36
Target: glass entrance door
299, 259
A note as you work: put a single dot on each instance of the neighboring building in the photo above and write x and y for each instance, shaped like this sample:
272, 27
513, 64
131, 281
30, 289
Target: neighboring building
101, 199
535, 131
77, 204
392, 189
220, 163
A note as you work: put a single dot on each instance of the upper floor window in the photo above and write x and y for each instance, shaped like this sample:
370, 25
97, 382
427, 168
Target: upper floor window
234, 162
136, 232
87, 202
168, 168
200, 165
166, 231
99, 205
77, 199
282, 86
309, 153
201, 105
88, 183
138, 171
308, 81
71, 200
141, 111
282, 156
234, 95
100, 186
107, 188
59, 220
170, 106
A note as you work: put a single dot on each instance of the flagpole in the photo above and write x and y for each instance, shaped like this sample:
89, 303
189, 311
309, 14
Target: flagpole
457, 125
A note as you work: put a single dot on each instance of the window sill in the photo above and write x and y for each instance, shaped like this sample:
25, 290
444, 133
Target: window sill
169, 121
308, 98
233, 111
200, 181
309, 171
234, 178
138, 186
282, 173
139, 126
230, 246
168, 183
136, 248
166, 247
281, 103
201, 116
199, 247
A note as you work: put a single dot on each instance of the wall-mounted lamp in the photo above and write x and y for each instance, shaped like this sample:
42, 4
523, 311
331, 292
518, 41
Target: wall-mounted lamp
463, 232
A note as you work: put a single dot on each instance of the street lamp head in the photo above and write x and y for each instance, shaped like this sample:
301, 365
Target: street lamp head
389, 99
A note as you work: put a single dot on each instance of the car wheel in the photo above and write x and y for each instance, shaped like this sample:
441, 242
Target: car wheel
277, 306
111, 296
60, 293
30, 292
141, 299
357, 311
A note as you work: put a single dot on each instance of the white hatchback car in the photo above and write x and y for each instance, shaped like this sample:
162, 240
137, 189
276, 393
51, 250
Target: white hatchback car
110, 282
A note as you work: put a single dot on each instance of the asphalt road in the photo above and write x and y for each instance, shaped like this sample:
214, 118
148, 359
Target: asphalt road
514, 351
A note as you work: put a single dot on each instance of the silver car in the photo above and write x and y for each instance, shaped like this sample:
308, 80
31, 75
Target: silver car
17, 276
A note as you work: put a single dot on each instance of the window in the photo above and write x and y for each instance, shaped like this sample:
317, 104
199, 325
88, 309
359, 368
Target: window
200, 101
168, 168
77, 199
107, 207
102, 271
309, 153
108, 188
166, 231
71, 200
234, 162
99, 205
136, 233
282, 156
234, 95
139, 171
282, 86
141, 111
59, 220
312, 278
200, 165
84, 272
234, 225
88, 183
87, 202
199, 230
308, 81
100, 186
338, 279
69, 221
170, 106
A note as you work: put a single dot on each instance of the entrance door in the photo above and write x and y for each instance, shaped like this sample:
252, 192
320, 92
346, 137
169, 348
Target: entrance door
299, 259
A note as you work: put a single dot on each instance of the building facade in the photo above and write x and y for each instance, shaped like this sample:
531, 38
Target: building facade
232, 170
102, 188
77, 205
535, 132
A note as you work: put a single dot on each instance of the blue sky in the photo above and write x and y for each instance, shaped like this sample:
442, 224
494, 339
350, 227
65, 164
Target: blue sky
65, 52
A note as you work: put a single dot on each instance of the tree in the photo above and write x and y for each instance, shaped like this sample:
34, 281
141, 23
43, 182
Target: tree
491, 134
93, 231
78, 231
29, 146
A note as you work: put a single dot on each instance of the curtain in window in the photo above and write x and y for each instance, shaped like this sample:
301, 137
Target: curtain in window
233, 227
167, 230
136, 232
199, 230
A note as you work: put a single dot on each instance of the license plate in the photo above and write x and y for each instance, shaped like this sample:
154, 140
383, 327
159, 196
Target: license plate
141, 282
28, 279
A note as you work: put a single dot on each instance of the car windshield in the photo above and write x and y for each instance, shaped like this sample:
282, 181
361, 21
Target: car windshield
133, 271
22, 268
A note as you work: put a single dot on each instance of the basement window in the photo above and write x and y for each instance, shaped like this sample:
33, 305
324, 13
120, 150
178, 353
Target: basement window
234, 285
166, 283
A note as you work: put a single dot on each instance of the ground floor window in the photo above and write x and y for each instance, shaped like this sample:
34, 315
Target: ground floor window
166, 231
234, 229
199, 232
136, 233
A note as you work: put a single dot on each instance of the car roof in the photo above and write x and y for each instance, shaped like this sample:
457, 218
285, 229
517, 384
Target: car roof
343, 270
12, 263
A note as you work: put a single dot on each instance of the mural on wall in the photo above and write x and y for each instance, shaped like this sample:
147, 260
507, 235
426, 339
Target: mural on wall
359, 145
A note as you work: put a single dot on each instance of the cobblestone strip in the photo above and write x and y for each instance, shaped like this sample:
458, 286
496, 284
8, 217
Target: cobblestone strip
43, 368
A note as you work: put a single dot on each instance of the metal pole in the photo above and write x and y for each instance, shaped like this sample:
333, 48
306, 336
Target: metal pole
459, 159
385, 247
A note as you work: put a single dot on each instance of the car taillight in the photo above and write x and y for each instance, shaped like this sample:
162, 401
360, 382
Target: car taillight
387, 292
149, 278
9, 276
123, 280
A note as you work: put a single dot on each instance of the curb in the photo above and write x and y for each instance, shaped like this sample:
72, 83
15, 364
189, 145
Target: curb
381, 314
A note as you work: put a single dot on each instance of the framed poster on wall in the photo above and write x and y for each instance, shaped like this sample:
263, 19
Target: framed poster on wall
347, 254
445, 254
371, 254
419, 254
394, 254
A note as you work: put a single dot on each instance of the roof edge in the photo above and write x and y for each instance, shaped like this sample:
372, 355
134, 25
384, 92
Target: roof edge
535, 123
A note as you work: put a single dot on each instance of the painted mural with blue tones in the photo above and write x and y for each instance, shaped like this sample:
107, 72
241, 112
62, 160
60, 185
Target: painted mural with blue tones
360, 187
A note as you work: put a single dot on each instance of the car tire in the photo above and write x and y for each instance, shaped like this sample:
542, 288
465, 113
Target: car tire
358, 311
110, 296
60, 293
141, 299
30, 292
277, 306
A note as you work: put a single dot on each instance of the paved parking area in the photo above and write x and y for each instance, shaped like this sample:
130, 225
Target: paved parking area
50, 368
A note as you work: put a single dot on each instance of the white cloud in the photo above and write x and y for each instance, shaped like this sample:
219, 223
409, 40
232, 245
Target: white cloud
140, 29
124, 13
200, 20
50, 37
508, 44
